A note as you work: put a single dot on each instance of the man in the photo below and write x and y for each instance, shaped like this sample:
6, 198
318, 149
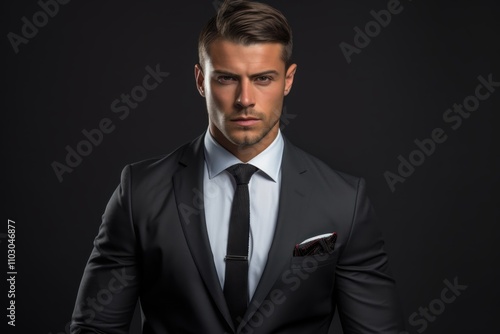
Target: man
239, 231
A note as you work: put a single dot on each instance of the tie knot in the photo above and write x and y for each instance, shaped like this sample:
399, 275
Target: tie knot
242, 172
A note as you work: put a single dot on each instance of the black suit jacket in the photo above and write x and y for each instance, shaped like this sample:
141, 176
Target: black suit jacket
153, 246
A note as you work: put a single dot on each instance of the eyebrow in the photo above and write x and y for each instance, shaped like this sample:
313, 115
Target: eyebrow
251, 76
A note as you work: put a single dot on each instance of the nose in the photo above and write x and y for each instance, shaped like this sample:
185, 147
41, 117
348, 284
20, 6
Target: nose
245, 97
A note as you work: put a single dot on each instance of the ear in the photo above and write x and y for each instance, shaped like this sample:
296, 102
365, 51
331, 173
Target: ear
200, 79
290, 74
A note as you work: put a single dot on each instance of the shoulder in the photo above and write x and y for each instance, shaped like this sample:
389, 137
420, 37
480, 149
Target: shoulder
334, 197
323, 174
159, 170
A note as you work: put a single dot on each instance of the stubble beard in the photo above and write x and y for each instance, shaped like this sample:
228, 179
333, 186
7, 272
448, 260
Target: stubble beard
249, 141
245, 138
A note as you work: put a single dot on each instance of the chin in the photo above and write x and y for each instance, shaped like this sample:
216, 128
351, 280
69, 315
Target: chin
246, 139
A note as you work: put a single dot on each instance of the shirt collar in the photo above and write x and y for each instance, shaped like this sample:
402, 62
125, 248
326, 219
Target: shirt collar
267, 161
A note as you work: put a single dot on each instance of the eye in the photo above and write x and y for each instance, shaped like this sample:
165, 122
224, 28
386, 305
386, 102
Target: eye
264, 79
225, 79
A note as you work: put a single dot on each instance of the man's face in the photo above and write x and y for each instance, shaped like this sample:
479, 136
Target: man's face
244, 87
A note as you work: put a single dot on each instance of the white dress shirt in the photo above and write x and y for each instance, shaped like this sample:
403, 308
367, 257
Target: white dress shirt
264, 191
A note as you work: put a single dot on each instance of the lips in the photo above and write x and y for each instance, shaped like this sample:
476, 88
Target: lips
248, 121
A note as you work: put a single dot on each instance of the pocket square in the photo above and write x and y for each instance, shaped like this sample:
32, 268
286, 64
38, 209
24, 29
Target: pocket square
320, 244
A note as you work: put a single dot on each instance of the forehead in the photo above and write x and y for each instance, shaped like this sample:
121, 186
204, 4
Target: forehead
235, 57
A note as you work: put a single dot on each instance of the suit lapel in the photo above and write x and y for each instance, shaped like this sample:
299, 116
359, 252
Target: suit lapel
188, 182
293, 195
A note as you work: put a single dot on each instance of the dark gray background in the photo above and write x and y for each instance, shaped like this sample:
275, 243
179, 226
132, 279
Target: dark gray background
441, 223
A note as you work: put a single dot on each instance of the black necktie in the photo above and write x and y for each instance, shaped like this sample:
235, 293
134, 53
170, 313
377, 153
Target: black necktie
236, 279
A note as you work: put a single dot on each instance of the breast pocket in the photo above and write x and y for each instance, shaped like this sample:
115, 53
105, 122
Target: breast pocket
310, 278
311, 263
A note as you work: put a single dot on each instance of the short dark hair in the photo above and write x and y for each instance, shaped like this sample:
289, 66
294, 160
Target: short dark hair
247, 22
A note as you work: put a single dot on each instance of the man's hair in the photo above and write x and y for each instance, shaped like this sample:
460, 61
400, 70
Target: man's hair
247, 22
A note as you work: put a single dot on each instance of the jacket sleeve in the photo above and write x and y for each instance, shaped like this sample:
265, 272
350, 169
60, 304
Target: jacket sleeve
366, 295
109, 287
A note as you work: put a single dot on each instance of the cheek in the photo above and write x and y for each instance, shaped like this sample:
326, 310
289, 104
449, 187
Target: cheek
271, 101
219, 105
222, 96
